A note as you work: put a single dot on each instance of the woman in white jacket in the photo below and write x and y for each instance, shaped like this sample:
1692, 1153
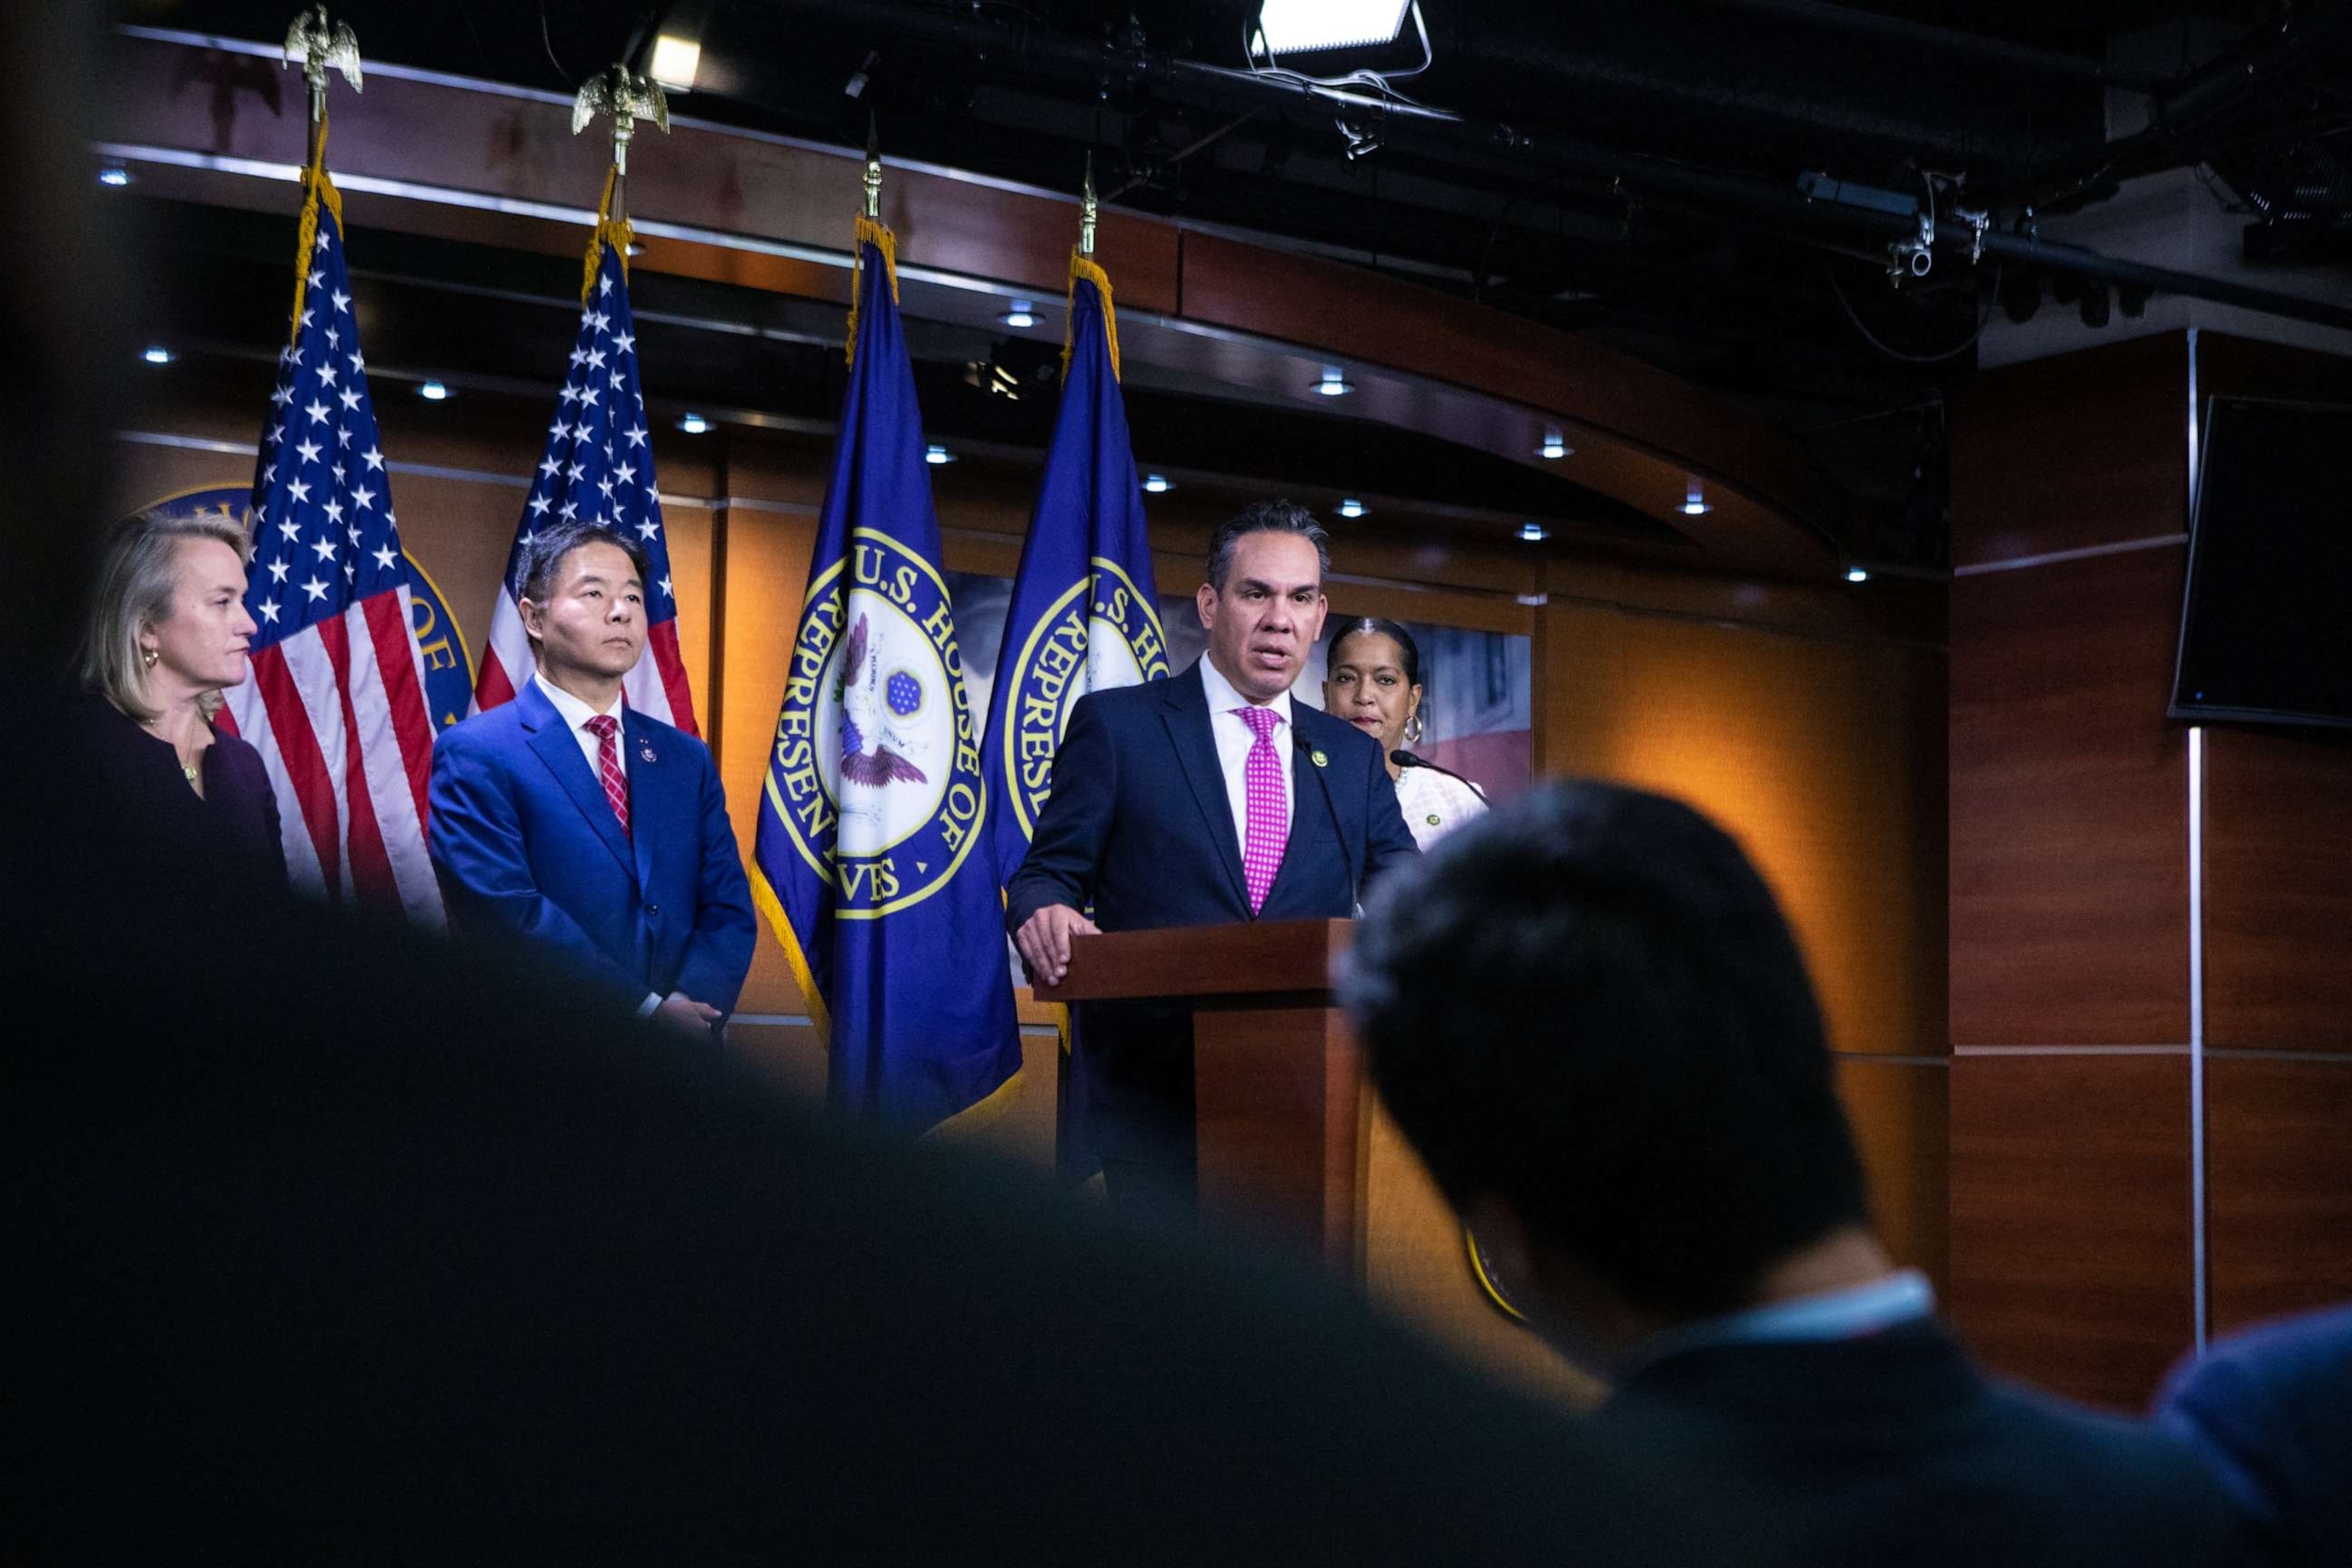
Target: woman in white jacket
1371, 678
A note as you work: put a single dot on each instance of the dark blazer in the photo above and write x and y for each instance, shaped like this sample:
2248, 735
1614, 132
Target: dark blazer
1139, 826
525, 843
2270, 1411
235, 819
1893, 1448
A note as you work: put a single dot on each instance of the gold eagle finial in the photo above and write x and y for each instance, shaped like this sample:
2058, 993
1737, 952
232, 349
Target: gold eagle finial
629, 97
317, 46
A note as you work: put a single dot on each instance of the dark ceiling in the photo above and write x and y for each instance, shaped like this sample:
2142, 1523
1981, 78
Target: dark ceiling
1630, 174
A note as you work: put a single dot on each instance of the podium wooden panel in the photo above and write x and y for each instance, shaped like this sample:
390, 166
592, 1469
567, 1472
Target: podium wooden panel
1292, 1142
1277, 1083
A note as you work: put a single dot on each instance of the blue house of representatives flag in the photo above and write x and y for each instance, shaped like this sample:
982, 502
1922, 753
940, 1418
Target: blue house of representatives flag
872, 861
1085, 615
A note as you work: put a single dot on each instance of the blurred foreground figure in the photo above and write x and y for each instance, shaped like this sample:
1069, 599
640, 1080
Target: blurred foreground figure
1587, 1014
2270, 1410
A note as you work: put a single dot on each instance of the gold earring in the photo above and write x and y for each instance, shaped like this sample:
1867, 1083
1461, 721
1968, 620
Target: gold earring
149, 657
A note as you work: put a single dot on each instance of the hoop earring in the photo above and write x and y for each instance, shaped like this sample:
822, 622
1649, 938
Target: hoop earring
1412, 729
150, 657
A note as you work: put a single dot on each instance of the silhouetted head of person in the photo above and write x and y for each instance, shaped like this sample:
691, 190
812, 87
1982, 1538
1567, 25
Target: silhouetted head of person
1588, 1015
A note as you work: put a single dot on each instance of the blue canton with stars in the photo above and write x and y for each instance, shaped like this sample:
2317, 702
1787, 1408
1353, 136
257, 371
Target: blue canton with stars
324, 532
599, 463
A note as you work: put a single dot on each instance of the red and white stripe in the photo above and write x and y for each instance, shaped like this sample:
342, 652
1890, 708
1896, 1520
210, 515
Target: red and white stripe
338, 714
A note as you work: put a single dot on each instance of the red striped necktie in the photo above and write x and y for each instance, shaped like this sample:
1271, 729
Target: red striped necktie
608, 766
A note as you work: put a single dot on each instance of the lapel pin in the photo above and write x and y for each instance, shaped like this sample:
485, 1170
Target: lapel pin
645, 753
1317, 758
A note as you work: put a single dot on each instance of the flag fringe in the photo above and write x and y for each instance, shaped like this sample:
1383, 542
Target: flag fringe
1081, 267
869, 233
764, 898
981, 1115
317, 187
618, 233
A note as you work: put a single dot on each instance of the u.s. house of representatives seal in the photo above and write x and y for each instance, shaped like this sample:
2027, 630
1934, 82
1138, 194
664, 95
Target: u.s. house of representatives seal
1101, 634
878, 761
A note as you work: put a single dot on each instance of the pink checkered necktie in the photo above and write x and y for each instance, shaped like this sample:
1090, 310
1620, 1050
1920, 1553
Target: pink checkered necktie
608, 766
1262, 787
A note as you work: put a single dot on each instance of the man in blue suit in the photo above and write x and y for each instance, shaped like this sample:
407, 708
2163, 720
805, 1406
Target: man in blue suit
1204, 798
585, 828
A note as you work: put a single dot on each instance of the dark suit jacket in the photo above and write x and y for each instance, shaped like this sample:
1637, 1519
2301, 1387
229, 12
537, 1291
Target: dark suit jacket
2270, 1411
1893, 1448
235, 821
526, 843
1139, 826
1139, 830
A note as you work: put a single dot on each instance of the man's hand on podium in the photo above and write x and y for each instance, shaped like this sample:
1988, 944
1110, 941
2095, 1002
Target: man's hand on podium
1043, 940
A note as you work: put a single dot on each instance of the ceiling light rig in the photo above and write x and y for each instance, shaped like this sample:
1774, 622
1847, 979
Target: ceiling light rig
1352, 53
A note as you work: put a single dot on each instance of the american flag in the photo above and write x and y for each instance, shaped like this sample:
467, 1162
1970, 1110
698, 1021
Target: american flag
598, 467
334, 695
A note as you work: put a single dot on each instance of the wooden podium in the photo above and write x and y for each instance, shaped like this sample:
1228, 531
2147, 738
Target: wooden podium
1278, 1086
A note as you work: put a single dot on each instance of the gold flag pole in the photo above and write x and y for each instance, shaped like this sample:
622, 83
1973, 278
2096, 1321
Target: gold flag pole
629, 97
319, 46
873, 173
1089, 209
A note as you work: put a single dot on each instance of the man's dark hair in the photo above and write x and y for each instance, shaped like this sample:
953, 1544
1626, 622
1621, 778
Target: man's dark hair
544, 556
1586, 1005
1265, 517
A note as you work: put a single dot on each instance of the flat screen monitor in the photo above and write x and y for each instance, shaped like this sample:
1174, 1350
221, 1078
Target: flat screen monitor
2266, 627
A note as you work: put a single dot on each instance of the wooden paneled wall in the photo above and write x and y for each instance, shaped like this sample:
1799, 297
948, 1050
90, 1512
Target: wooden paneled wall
1809, 723
2080, 1201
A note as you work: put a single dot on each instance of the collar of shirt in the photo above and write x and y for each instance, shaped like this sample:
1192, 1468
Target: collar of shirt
576, 715
1225, 698
1903, 1297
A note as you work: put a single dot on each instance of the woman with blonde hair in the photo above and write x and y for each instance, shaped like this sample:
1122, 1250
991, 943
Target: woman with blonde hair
167, 634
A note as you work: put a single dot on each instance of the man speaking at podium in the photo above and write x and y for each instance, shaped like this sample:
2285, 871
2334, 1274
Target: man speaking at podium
1204, 798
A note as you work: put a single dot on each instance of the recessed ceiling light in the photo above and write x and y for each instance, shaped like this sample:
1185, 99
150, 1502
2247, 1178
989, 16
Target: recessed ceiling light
1020, 315
1695, 503
937, 457
156, 353
693, 424
433, 392
1554, 446
1335, 382
114, 175
1157, 484
1534, 532
1352, 509
1856, 574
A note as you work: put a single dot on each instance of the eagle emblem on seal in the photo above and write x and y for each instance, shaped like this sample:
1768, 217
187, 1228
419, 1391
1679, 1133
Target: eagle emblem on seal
881, 766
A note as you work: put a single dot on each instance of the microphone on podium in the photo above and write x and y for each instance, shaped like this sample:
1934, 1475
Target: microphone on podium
1405, 759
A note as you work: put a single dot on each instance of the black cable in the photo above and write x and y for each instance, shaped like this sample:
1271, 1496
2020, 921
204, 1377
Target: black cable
1894, 354
550, 44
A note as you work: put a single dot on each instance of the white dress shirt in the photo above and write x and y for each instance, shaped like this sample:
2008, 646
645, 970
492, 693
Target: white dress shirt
1234, 737
577, 713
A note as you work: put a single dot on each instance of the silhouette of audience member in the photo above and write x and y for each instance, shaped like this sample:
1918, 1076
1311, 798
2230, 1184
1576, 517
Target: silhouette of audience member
1587, 1014
2270, 1410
